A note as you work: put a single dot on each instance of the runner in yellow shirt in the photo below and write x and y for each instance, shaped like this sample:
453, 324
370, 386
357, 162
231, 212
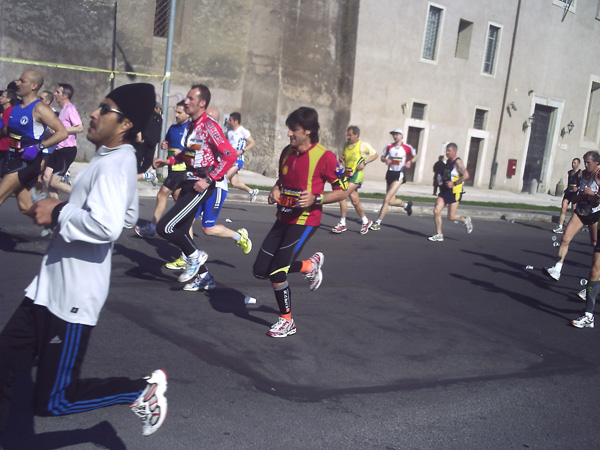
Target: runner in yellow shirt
357, 154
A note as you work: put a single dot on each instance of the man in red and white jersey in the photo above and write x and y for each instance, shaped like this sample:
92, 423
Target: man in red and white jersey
208, 155
397, 156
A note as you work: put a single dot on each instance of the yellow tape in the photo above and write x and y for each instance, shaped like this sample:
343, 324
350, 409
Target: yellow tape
82, 68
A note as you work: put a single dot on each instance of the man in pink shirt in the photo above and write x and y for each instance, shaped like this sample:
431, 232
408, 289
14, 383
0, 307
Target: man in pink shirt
66, 151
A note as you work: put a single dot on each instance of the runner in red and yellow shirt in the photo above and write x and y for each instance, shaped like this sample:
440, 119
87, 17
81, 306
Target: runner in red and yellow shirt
304, 167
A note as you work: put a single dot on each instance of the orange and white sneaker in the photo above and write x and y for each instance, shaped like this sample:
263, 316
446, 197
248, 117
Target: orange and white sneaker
282, 328
315, 276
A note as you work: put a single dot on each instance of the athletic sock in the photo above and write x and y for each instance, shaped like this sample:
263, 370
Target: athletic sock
378, 221
283, 297
343, 220
236, 236
307, 266
365, 219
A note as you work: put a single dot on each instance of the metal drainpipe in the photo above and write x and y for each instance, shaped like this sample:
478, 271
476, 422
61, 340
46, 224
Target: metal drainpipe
510, 60
167, 82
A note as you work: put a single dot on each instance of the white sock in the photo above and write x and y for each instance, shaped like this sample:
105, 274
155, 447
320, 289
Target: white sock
365, 219
342, 220
558, 266
378, 221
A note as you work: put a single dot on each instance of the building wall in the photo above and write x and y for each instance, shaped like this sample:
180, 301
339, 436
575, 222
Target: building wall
391, 72
263, 58
75, 32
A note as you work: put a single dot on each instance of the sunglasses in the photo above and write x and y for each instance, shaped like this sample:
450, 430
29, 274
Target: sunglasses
105, 109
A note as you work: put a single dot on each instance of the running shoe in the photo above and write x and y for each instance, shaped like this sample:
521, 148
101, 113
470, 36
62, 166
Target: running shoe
35, 197
192, 266
365, 227
253, 195
206, 282
315, 277
559, 230
583, 322
436, 238
375, 226
469, 225
552, 272
178, 264
339, 228
245, 243
151, 177
67, 178
581, 294
282, 328
409, 208
146, 231
151, 405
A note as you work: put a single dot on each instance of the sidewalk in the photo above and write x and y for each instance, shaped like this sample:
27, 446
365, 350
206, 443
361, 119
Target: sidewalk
371, 206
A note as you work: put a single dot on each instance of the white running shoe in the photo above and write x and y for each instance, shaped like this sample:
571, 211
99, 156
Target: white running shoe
151, 405
192, 266
552, 272
339, 228
436, 238
559, 230
315, 277
469, 225
581, 294
206, 282
583, 322
253, 195
282, 328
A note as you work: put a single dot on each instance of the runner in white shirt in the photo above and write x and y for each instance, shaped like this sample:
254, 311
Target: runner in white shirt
241, 140
396, 156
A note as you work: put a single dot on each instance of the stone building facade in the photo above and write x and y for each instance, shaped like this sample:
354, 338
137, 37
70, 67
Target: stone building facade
501, 79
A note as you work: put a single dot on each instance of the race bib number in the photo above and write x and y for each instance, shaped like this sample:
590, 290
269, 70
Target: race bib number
14, 142
289, 199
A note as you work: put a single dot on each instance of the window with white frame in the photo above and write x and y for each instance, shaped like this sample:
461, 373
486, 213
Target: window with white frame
432, 31
491, 49
418, 111
566, 3
480, 121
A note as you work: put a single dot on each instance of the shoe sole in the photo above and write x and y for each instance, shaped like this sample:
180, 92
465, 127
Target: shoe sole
143, 235
184, 278
582, 326
207, 287
339, 231
281, 335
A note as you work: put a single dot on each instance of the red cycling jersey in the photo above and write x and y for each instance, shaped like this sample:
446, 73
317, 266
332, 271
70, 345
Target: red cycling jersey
205, 146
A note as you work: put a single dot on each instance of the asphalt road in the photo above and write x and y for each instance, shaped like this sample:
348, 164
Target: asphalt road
408, 344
